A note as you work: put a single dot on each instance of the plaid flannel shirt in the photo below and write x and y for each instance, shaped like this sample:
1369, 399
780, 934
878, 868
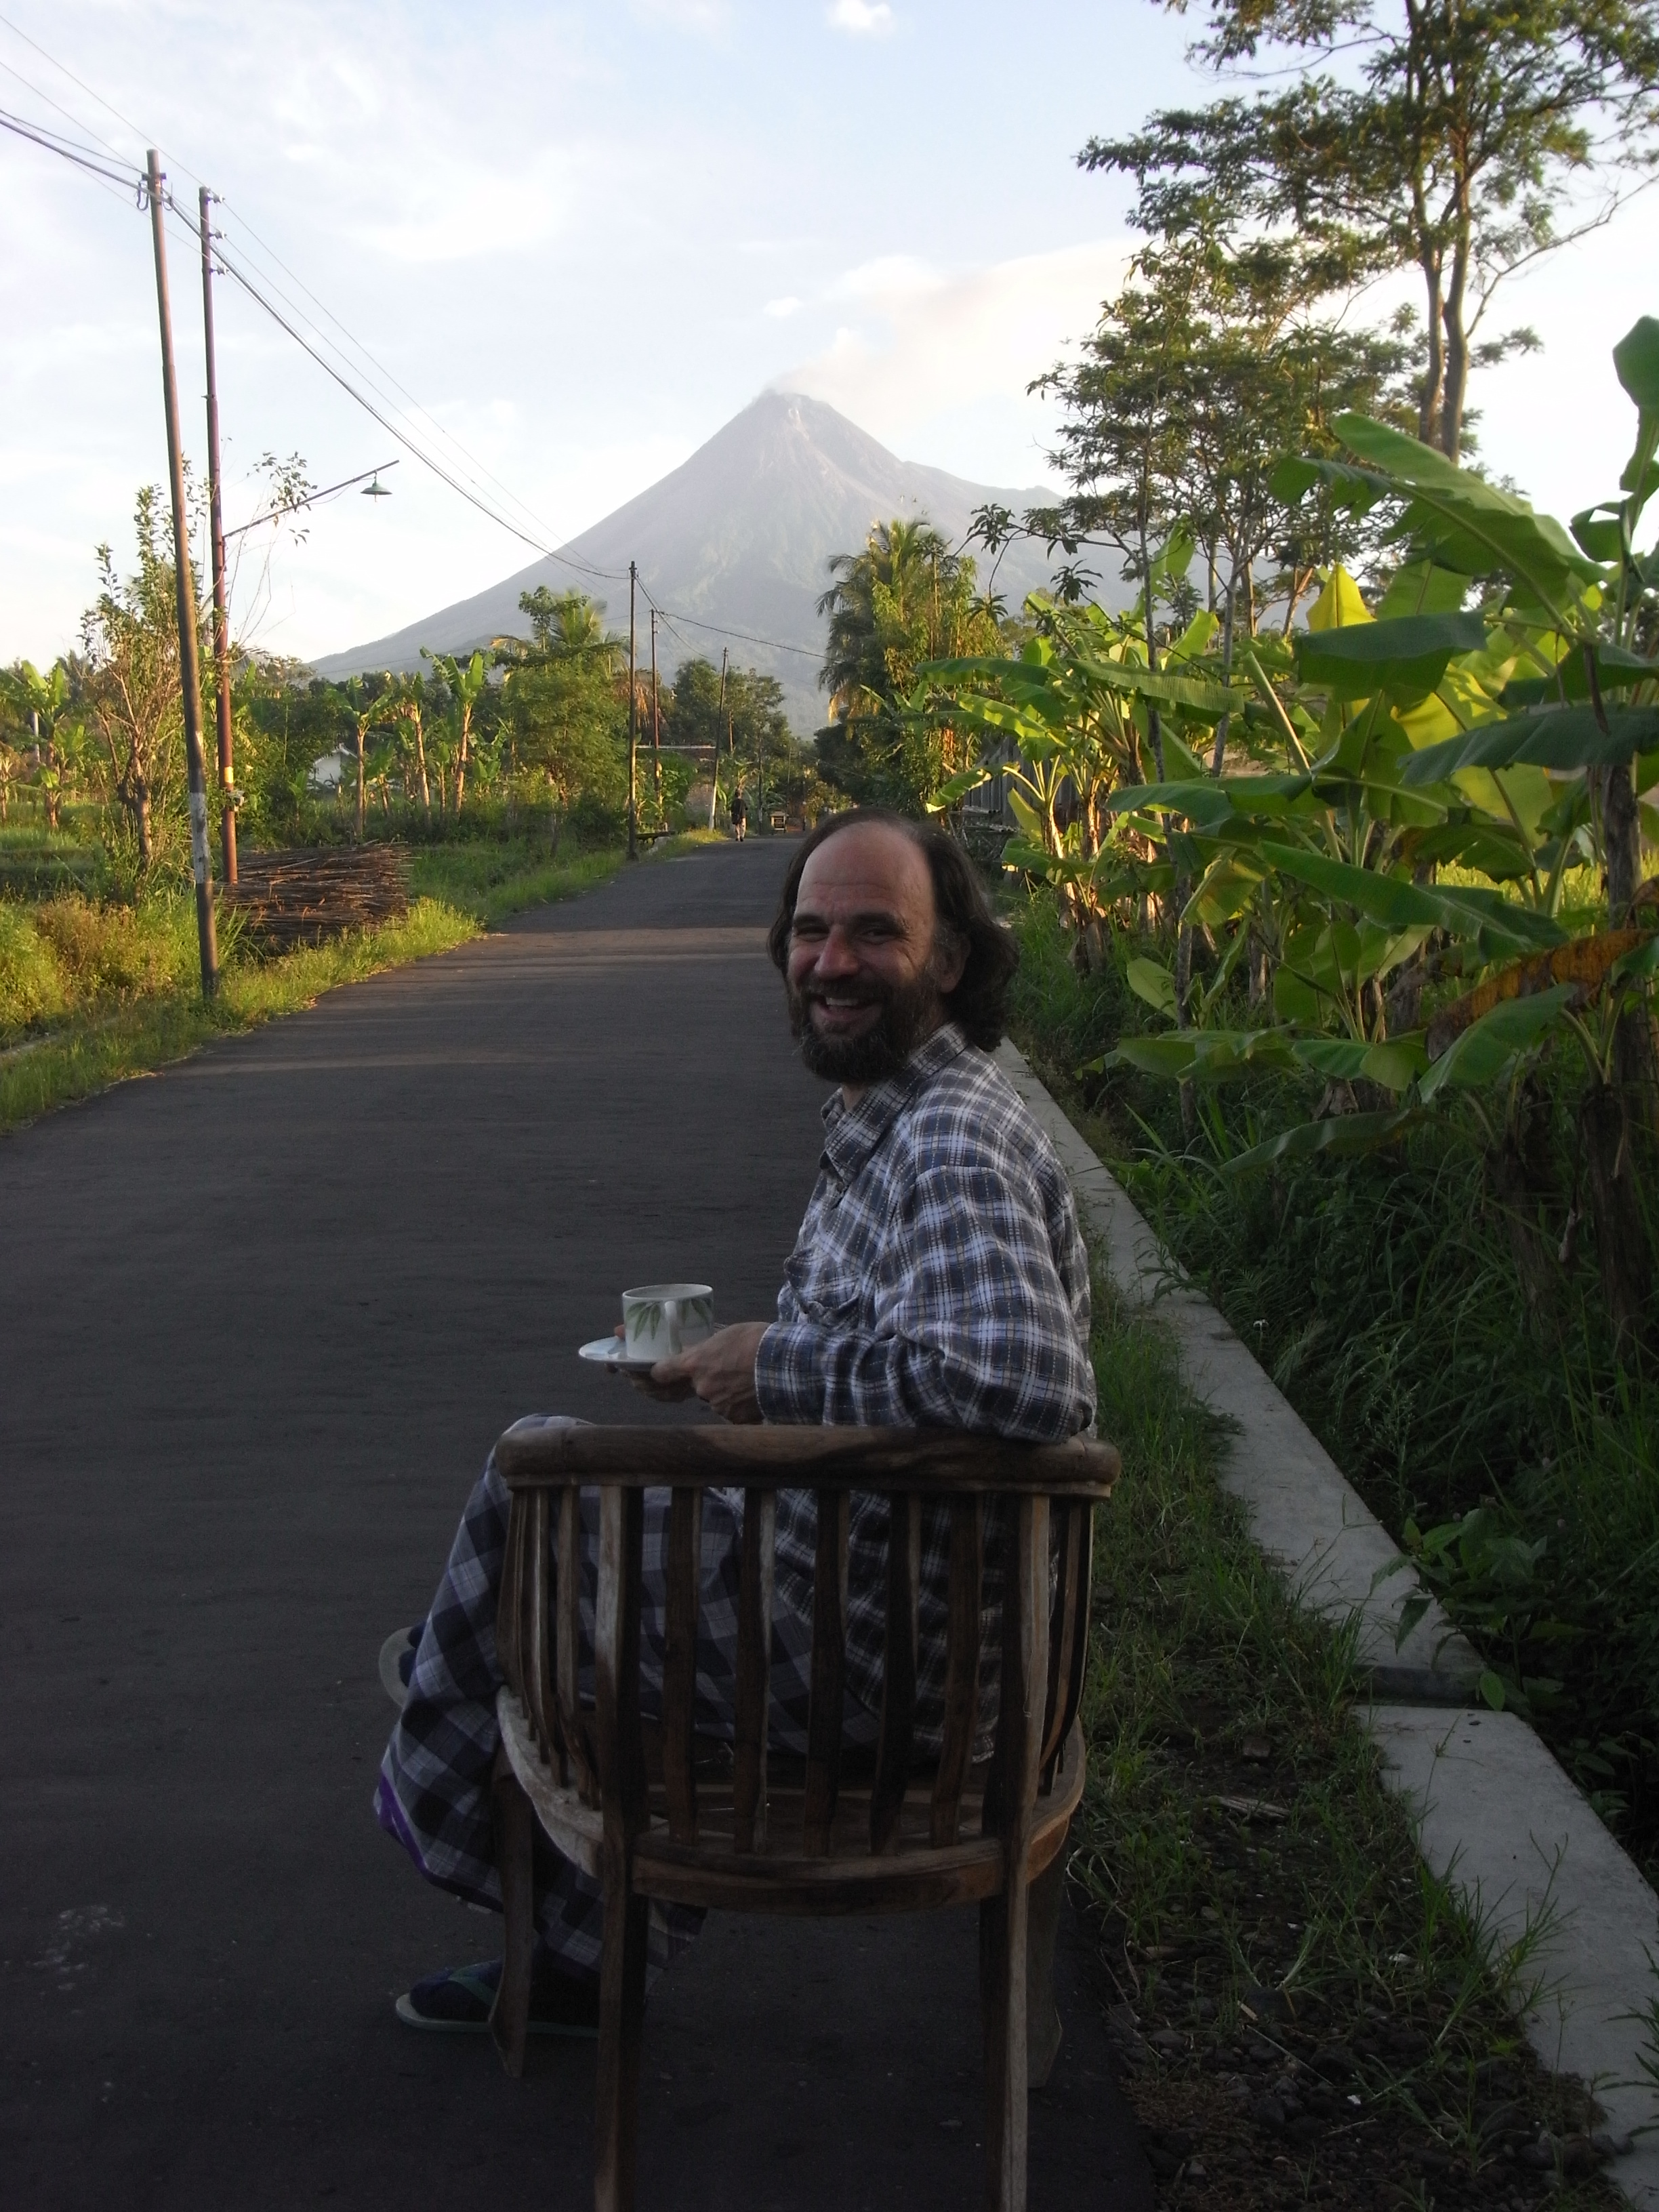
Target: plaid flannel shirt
938, 1278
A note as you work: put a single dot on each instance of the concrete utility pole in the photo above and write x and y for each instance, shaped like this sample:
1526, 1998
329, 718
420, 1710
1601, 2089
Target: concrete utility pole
189, 673
216, 524
656, 721
633, 728
714, 750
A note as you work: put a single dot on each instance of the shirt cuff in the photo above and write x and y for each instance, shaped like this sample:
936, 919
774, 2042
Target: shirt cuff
789, 1374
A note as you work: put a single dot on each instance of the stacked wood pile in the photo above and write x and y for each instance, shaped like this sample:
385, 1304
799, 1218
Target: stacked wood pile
301, 897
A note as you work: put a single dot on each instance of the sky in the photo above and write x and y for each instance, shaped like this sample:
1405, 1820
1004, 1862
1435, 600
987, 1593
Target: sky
578, 238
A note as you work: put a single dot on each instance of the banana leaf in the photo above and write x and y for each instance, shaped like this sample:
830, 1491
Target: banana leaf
1615, 670
1493, 922
1566, 737
1465, 523
1406, 657
1344, 1136
1482, 1051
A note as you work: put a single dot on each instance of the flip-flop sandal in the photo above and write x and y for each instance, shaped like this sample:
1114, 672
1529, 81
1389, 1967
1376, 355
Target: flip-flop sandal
459, 2002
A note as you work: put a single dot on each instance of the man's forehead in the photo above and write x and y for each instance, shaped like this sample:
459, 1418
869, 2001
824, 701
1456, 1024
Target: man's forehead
871, 867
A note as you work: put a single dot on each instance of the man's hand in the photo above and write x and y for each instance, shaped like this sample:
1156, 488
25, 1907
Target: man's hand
720, 1372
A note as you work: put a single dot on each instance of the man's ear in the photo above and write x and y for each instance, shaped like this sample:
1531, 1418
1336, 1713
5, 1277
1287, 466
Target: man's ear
950, 959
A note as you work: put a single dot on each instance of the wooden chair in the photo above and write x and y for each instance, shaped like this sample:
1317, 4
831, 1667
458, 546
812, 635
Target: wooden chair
904, 1838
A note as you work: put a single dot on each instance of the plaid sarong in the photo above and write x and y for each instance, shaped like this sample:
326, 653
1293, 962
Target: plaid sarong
433, 1789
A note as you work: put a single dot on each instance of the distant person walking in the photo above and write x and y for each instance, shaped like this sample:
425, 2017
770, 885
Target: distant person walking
739, 815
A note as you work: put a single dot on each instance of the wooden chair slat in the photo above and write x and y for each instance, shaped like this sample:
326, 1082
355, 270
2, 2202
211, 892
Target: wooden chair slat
508, 1650
1011, 1814
1062, 1628
567, 1643
898, 1674
541, 1700
623, 1802
679, 1685
961, 1666
828, 1682
754, 1682
1071, 1743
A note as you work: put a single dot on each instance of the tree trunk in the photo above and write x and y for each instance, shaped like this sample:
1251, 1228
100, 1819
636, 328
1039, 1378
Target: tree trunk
1621, 1246
420, 759
1457, 347
1217, 758
360, 787
460, 773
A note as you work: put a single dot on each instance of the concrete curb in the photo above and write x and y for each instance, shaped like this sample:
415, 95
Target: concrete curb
1495, 1815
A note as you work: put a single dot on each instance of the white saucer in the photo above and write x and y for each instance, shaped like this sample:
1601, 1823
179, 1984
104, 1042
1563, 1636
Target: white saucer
608, 1352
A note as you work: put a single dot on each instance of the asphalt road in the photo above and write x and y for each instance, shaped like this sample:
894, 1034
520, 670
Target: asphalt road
260, 1317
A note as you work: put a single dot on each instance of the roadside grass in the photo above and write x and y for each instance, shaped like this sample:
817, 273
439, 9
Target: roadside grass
1382, 1295
1304, 2014
92, 993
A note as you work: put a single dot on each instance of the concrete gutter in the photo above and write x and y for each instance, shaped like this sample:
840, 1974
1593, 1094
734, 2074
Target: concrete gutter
1495, 1815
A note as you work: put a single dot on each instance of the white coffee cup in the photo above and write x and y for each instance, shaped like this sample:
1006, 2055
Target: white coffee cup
661, 1319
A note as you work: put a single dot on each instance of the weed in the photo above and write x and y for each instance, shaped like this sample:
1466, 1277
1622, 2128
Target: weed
1305, 2012
1382, 1296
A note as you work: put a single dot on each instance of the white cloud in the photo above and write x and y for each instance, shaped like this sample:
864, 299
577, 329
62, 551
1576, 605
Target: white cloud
865, 19
940, 359
781, 310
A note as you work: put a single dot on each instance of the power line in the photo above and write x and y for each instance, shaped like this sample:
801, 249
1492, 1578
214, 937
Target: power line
131, 180
66, 150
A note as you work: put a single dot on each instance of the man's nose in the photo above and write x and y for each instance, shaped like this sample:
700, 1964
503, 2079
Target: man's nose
836, 955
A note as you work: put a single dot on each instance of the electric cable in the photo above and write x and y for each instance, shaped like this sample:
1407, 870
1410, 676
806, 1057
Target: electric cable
134, 181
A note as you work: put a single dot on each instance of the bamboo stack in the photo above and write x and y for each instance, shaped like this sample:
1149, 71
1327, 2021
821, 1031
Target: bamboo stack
301, 897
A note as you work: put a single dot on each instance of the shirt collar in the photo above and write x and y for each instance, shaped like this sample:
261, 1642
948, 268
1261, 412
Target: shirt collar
852, 1132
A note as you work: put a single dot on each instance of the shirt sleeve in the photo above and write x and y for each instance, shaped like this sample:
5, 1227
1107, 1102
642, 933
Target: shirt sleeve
973, 1330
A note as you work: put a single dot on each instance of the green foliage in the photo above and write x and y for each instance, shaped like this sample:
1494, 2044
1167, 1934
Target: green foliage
1450, 151
1236, 1847
1382, 1292
904, 601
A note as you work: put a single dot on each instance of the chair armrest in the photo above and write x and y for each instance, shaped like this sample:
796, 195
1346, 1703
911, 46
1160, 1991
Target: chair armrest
926, 1461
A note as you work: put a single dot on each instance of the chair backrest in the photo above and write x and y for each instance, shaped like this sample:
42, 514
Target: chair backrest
602, 1756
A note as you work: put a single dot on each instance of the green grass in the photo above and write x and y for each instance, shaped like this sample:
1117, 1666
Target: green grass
1382, 1295
92, 992
1259, 1905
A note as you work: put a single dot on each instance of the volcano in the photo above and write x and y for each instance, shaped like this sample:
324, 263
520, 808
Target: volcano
737, 538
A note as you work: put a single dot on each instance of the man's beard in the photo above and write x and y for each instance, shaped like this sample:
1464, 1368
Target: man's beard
909, 1015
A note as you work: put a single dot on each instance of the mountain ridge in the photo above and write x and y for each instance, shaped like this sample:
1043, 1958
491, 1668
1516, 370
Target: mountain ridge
733, 546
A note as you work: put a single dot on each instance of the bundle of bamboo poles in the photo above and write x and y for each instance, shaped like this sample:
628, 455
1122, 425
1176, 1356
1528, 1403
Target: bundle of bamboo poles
301, 897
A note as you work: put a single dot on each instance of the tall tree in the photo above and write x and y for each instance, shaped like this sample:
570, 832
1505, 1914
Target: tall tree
1455, 153
130, 638
906, 598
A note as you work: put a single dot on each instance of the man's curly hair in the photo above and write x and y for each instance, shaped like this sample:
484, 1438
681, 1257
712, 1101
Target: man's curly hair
978, 1005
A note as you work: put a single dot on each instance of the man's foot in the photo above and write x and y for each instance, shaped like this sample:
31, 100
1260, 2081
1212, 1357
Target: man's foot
398, 1662
457, 2002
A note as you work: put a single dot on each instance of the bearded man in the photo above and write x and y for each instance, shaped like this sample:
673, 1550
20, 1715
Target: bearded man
939, 1280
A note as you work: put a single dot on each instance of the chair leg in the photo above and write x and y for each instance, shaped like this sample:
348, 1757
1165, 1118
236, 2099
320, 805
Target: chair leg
621, 2023
1002, 1944
1042, 2027
509, 2016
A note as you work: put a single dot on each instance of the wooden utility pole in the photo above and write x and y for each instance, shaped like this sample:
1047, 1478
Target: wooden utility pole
216, 526
714, 750
633, 728
189, 673
656, 721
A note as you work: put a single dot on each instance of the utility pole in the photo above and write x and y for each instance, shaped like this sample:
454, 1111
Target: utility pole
190, 674
714, 750
656, 719
216, 526
633, 726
